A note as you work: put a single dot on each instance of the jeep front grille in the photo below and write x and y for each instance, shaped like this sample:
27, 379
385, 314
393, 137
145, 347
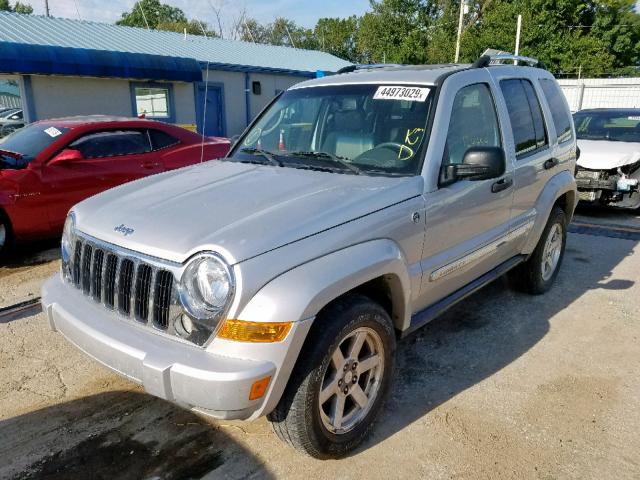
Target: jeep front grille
122, 282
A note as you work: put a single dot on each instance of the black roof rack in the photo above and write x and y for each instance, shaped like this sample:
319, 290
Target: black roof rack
353, 68
488, 60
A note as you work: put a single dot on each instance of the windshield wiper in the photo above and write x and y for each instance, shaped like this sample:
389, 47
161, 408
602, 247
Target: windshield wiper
340, 160
264, 154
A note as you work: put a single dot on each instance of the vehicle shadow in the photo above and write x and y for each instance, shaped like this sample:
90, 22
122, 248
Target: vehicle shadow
489, 331
31, 254
119, 434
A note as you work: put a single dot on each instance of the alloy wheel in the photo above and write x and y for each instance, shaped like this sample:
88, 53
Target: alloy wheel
552, 251
352, 380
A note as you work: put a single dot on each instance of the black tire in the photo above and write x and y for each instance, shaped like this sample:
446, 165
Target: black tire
529, 277
297, 419
6, 235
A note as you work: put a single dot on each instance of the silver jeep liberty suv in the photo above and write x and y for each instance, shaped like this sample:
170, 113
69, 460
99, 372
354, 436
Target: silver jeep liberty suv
352, 211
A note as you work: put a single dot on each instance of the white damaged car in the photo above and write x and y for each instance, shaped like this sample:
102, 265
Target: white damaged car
609, 164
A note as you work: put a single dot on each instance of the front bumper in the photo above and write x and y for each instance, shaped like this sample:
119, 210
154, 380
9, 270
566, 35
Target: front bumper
170, 369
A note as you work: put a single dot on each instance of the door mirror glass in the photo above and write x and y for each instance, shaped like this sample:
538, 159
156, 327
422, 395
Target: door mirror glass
67, 155
479, 163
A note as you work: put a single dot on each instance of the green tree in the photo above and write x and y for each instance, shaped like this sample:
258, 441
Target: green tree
568, 35
151, 13
160, 16
338, 36
19, 7
193, 27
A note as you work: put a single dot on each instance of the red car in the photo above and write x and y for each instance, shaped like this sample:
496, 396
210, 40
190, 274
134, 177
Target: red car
49, 166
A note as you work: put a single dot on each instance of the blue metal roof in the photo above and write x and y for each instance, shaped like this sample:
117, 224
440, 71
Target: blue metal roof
225, 54
49, 60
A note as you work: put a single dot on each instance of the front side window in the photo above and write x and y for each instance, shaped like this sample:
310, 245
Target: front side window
152, 102
559, 112
365, 129
474, 123
526, 117
112, 144
609, 125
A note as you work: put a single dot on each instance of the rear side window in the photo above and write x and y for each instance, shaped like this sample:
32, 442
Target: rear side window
112, 143
561, 117
526, 116
160, 139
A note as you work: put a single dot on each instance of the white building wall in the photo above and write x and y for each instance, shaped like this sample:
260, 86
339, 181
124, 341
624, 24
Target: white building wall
270, 85
59, 96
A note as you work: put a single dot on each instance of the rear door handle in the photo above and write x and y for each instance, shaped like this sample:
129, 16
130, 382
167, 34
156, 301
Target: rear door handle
501, 185
549, 164
150, 164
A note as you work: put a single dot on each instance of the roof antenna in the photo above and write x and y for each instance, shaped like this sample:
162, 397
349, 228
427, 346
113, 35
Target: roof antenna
77, 9
144, 17
204, 102
289, 34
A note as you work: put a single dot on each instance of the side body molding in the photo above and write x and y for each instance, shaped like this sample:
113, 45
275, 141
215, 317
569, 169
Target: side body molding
303, 291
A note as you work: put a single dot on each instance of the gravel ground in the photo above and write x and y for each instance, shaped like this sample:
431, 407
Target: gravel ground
503, 386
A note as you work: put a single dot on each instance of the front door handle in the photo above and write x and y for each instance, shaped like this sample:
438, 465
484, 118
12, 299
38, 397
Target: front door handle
549, 164
150, 165
501, 185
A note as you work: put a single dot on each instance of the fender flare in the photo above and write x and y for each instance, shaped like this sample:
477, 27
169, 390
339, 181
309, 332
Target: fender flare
301, 292
556, 187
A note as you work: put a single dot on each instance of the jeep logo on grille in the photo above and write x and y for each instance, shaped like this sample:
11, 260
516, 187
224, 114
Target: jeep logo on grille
124, 229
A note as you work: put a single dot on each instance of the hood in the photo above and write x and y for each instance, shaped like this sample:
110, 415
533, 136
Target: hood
607, 155
238, 210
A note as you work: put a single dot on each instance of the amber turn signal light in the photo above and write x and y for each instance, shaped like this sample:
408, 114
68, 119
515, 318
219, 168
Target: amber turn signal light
256, 332
259, 388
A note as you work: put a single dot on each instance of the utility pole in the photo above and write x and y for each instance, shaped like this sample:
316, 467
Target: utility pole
46, 8
462, 5
515, 62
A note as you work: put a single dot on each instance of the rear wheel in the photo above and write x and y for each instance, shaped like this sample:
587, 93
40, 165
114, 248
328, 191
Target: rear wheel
537, 274
339, 384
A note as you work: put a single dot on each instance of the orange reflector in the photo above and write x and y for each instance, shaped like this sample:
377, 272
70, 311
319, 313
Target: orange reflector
259, 388
258, 332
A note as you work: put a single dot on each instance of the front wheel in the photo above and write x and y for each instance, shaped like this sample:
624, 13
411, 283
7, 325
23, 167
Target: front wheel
340, 381
537, 274
5, 235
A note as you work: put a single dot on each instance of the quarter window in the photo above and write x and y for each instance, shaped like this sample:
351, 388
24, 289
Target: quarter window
160, 140
526, 116
112, 144
559, 113
473, 123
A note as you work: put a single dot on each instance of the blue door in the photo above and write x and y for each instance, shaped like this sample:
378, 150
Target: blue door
214, 119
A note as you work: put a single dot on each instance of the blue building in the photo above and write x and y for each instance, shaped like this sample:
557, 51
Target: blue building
66, 67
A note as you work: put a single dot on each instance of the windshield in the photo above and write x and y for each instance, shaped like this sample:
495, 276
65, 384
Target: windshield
26, 143
356, 129
615, 125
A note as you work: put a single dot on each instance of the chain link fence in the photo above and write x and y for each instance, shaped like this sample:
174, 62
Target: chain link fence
601, 93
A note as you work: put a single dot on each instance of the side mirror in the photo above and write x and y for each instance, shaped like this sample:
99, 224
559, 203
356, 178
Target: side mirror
479, 163
66, 155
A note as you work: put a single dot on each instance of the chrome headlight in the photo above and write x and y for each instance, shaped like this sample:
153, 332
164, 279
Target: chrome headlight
66, 244
206, 288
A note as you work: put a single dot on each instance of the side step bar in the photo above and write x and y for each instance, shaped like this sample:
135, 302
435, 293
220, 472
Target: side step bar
423, 317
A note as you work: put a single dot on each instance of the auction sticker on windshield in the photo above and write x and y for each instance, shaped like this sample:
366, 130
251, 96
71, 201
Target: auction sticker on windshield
53, 132
391, 92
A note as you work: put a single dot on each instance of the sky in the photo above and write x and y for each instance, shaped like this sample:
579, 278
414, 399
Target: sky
303, 12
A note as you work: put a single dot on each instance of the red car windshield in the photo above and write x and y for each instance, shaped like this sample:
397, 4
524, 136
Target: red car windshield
26, 143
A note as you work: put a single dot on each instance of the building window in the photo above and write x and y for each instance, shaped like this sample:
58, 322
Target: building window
153, 101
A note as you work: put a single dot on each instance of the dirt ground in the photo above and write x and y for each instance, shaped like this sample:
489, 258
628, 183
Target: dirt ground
503, 386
